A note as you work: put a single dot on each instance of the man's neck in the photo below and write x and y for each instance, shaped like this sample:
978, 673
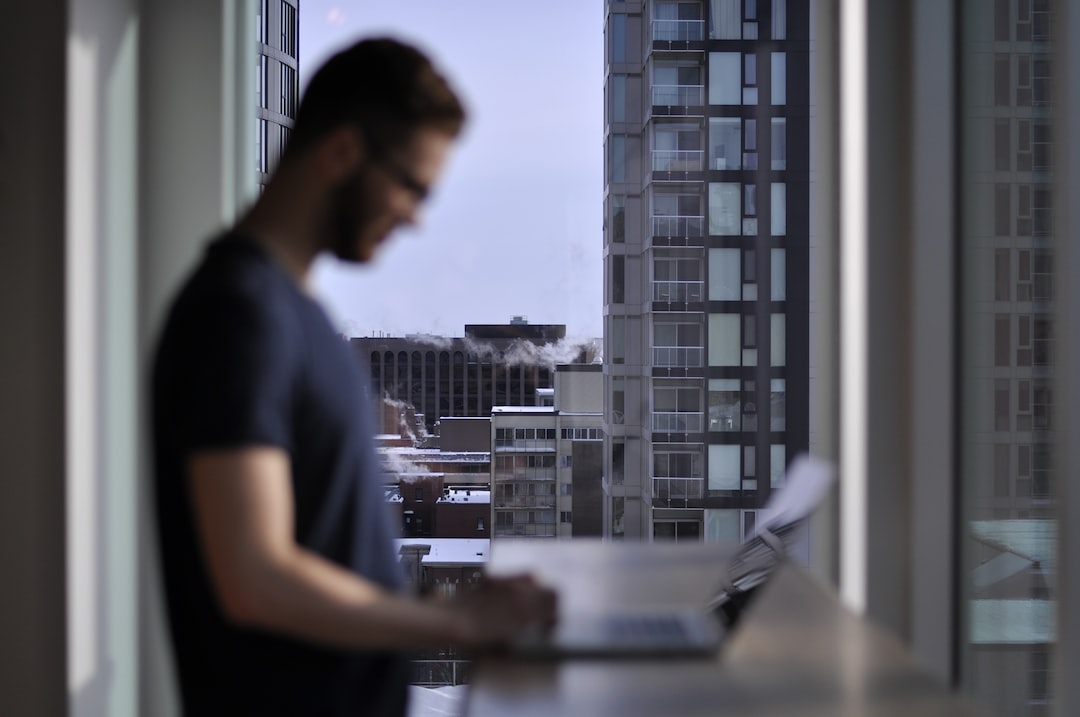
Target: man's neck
285, 222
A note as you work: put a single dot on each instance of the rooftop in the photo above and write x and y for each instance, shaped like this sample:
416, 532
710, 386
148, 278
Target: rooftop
450, 551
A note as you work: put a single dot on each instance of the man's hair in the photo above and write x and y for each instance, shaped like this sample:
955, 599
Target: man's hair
386, 88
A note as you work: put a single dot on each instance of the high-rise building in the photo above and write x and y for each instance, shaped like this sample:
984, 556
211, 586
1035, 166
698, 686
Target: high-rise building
706, 254
277, 80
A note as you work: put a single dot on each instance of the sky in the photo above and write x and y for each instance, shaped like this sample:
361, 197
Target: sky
515, 226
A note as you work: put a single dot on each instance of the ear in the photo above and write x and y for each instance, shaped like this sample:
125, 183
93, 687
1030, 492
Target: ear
340, 152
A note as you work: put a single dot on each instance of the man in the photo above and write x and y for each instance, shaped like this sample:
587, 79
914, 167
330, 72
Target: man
281, 578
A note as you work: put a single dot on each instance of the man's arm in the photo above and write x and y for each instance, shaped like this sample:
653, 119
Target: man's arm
262, 578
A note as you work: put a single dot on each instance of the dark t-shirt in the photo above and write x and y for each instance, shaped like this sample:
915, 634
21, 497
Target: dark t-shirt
247, 359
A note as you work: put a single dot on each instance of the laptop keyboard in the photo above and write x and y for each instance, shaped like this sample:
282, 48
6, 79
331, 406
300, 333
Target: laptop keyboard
633, 629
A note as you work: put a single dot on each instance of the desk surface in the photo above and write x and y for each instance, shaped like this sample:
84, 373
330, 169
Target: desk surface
797, 651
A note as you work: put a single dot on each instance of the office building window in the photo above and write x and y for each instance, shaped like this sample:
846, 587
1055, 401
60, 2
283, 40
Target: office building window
778, 137
1001, 340
777, 465
677, 344
677, 530
289, 91
618, 38
778, 224
618, 400
618, 278
261, 18
288, 29
260, 145
779, 19
618, 98
779, 78
617, 158
725, 274
777, 404
1002, 275
617, 340
778, 274
260, 81
725, 85
725, 208
725, 340
725, 411
725, 143
618, 219
778, 337
725, 469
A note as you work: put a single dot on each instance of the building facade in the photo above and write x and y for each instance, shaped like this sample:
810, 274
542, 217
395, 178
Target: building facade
706, 255
492, 365
277, 80
546, 467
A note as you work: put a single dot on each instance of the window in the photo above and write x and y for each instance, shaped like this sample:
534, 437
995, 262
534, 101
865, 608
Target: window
618, 37
289, 91
725, 340
261, 160
778, 338
566, 489
565, 516
618, 279
677, 530
725, 274
479, 524
618, 98
725, 208
725, 143
261, 18
725, 469
260, 82
618, 219
778, 224
677, 148
288, 29
725, 83
778, 137
677, 84
677, 21
676, 409
778, 278
779, 78
725, 412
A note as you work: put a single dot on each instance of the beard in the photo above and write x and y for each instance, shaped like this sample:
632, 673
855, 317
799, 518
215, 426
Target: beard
350, 211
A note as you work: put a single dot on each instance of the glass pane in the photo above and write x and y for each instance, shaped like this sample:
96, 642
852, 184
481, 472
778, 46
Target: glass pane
778, 265
725, 69
779, 78
725, 209
725, 143
724, 473
1008, 499
724, 276
724, 340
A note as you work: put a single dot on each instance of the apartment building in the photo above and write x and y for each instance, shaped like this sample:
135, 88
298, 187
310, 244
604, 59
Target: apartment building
547, 461
706, 253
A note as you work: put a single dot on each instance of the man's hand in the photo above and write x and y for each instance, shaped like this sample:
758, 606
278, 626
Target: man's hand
500, 609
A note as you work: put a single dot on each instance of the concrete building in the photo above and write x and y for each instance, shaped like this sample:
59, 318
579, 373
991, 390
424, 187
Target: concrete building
707, 255
492, 365
547, 464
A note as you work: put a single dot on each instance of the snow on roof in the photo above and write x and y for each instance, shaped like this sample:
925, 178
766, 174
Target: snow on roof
465, 495
451, 551
523, 409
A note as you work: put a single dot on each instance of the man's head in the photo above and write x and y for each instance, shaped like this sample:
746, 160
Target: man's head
390, 117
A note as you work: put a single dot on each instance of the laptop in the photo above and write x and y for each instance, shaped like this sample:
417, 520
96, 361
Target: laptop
695, 631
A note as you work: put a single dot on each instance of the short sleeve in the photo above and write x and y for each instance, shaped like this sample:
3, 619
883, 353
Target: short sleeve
230, 373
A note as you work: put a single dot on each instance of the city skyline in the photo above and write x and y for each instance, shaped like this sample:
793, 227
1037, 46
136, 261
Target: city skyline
515, 226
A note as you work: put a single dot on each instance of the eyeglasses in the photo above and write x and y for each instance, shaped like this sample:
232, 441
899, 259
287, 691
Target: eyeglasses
400, 174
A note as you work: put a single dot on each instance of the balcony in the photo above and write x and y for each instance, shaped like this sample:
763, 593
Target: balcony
678, 30
678, 226
525, 501
678, 357
673, 491
678, 291
677, 422
678, 95
678, 160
